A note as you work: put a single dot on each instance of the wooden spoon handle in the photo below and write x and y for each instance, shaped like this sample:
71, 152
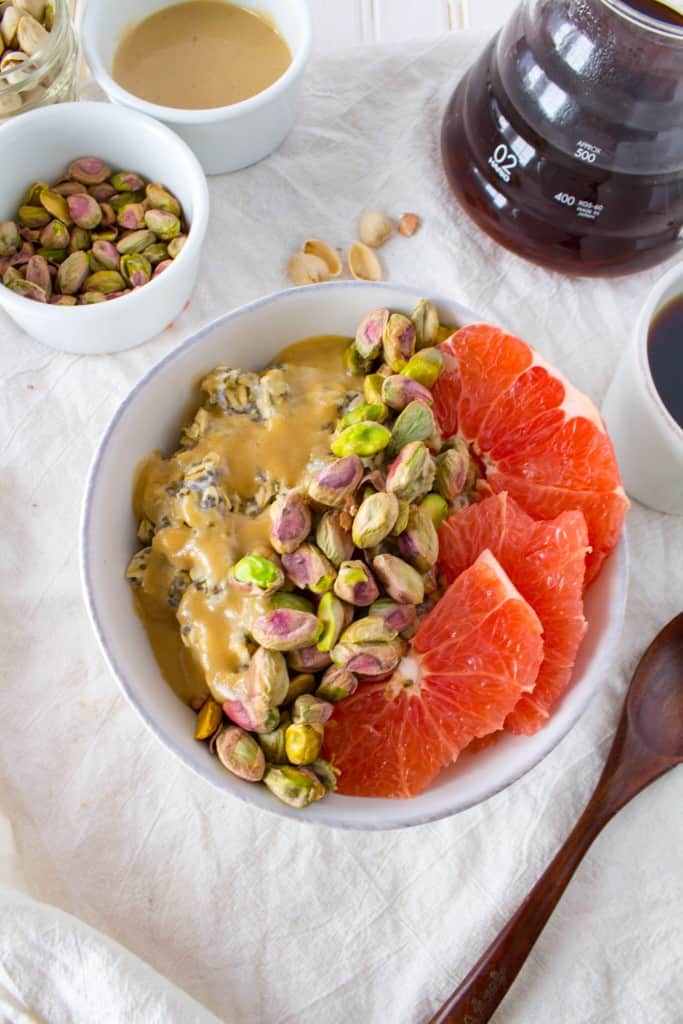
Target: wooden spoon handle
476, 998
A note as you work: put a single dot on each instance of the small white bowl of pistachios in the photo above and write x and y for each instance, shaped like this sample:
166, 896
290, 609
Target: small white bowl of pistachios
103, 213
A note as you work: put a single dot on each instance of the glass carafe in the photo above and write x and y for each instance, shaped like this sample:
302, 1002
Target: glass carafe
564, 141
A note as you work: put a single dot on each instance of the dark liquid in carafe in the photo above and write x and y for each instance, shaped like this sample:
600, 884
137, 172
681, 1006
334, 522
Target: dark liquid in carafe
665, 356
552, 205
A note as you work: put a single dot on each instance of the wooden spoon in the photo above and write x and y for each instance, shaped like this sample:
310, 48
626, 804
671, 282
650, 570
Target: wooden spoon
649, 741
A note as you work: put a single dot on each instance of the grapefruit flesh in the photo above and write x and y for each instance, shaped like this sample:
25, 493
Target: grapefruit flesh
473, 656
546, 562
537, 437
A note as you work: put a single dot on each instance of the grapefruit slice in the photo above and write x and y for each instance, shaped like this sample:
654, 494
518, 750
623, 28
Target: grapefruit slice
473, 656
546, 561
536, 436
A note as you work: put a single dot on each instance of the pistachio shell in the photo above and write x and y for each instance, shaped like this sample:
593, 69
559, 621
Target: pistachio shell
363, 263
36, 8
325, 252
9, 25
307, 268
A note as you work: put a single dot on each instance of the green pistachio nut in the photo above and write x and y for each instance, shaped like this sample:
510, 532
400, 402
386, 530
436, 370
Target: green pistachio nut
273, 745
121, 199
131, 216
161, 199
368, 340
252, 717
107, 255
375, 519
72, 273
66, 188
369, 629
296, 787
398, 617
402, 518
326, 772
176, 246
398, 341
267, 679
105, 281
55, 205
303, 742
412, 472
368, 412
63, 300
367, 659
336, 684
209, 717
135, 241
303, 682
53, 255
84, 211
334, 541
155, 253
89, 170
33, 216
311, 709
91, 298
419, 544
240, 754
11, 275
425, 366
415, 423
283, 599
331, 612
55, 235
361, 439
163, 223
372, 389
356, 584
285, 629
27, 289
127, 181
354, 362
336, 481
80, 239
135, 269
104, 234
10, 239
451, 473
398, 390
38, 272
401, 581
426, 319
436, 507
290, 521
32, 194
258, 574
308, 659
308, 569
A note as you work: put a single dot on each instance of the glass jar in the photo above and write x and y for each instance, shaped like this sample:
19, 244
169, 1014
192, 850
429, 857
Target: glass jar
49, 76
564, 141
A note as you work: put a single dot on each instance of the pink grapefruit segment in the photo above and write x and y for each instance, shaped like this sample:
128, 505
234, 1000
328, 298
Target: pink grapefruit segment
546, 562
537, 436
473, 656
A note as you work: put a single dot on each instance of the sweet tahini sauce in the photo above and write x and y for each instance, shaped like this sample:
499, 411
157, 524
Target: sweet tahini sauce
200, 54
200, 644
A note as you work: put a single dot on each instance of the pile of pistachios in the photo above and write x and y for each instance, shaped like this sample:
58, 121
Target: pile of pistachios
92, 236
352, 562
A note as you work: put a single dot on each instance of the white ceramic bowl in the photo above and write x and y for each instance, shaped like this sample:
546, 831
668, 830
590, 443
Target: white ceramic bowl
248, 338
42, 144
224, 138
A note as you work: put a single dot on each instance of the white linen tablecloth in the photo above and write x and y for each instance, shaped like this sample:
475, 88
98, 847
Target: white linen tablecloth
179, 905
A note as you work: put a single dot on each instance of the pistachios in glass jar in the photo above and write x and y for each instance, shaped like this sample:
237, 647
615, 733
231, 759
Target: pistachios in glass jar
328, 576
38, 55
93, 235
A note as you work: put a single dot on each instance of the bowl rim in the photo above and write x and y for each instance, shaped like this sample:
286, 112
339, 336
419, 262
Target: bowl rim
207, 115
197, 229
386, 821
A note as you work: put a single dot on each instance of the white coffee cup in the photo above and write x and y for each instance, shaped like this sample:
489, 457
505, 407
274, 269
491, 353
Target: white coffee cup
647, 439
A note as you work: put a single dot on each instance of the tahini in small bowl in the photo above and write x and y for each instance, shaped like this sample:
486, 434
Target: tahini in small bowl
248, 338
42, 144
224, 138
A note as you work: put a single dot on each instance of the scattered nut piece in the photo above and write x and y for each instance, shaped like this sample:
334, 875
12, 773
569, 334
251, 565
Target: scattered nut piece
307, 268
329, 256
408, 224
363, 263
375, 228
